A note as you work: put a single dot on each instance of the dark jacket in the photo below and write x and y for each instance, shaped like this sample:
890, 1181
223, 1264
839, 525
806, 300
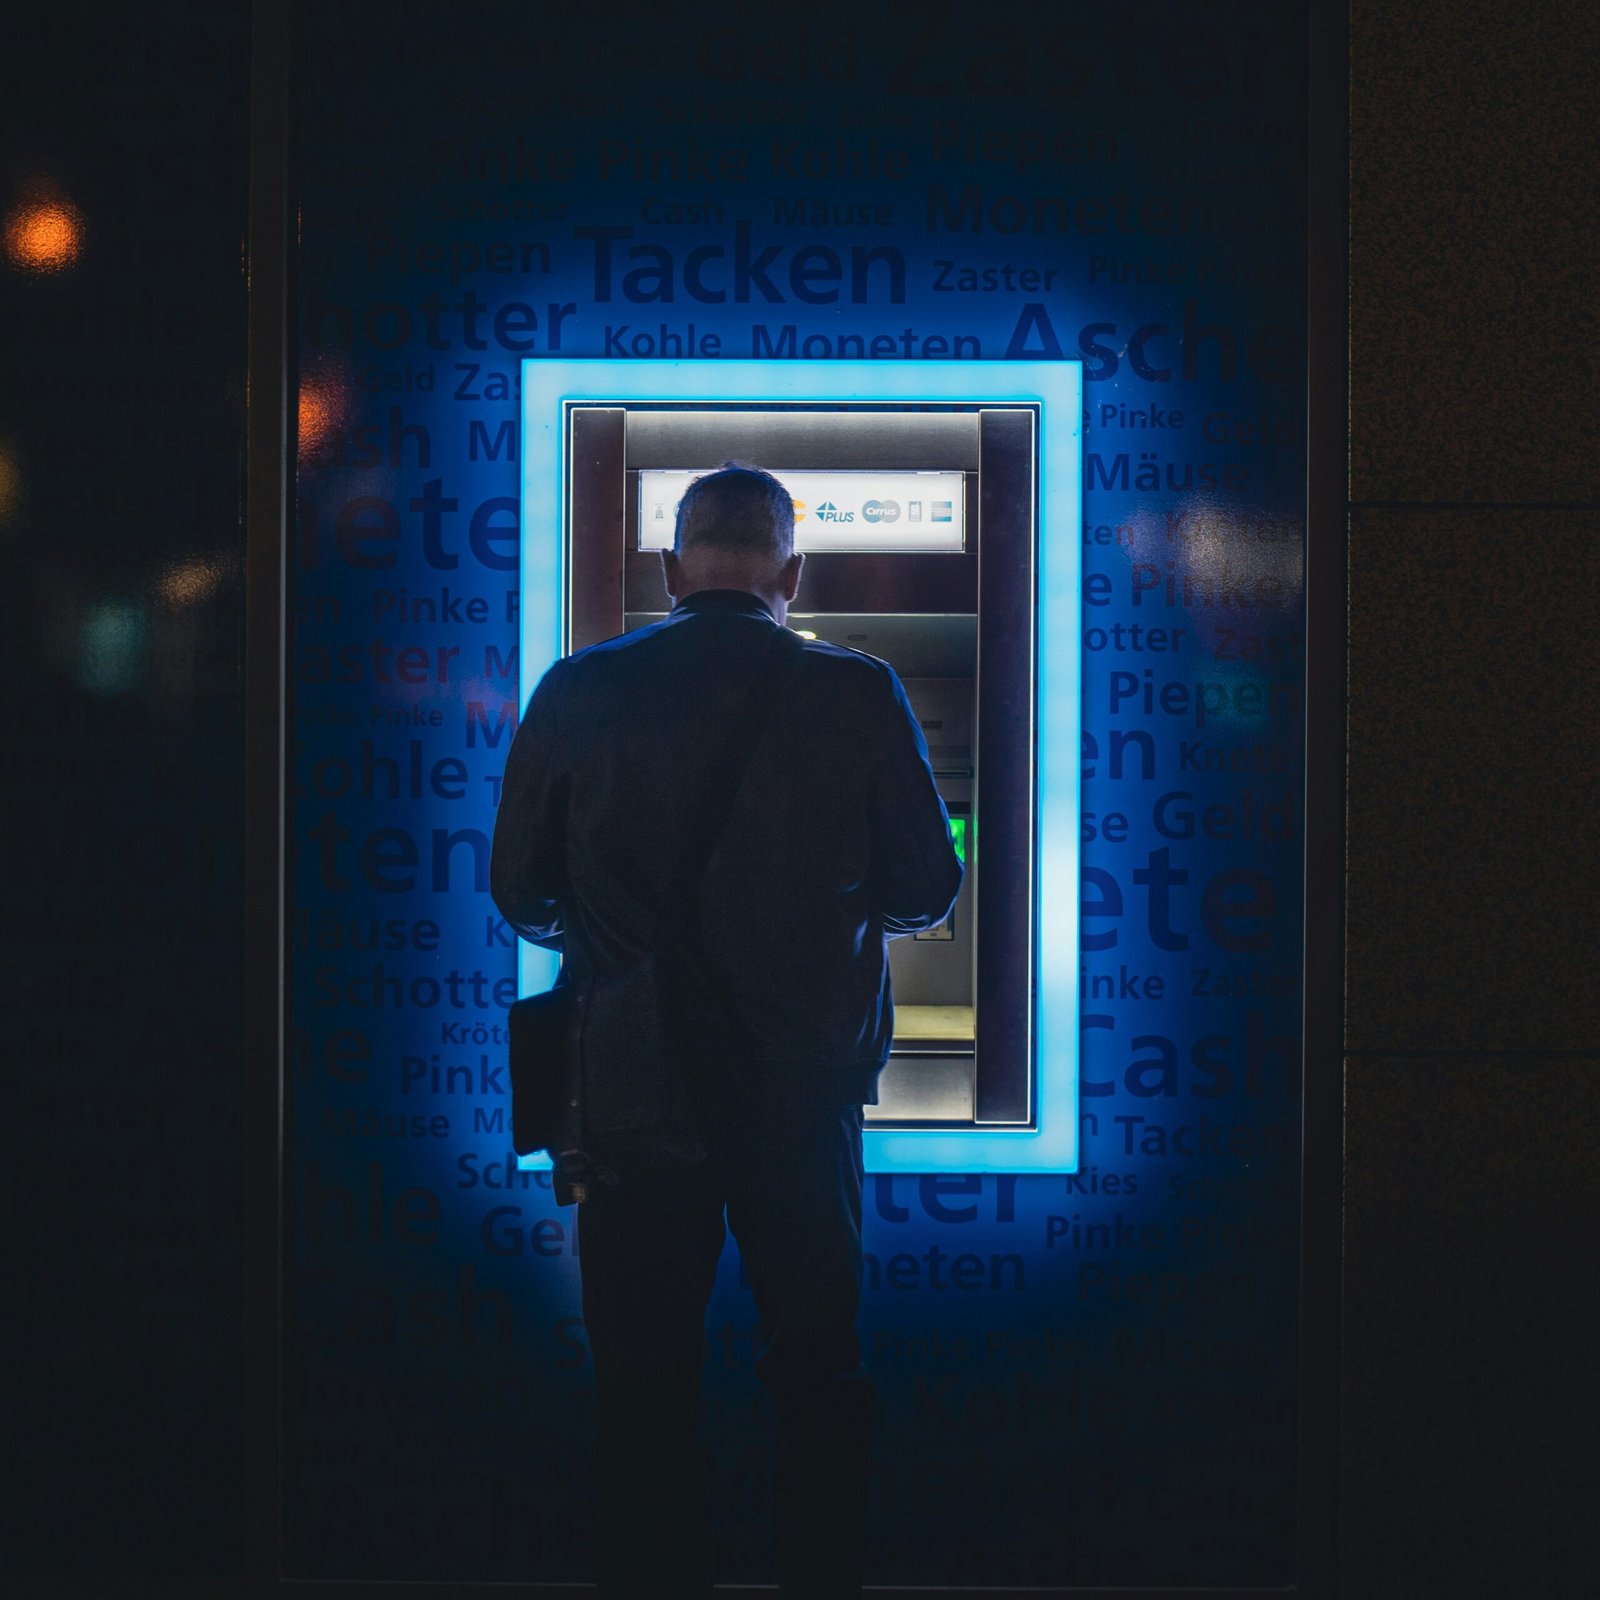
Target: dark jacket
837, 839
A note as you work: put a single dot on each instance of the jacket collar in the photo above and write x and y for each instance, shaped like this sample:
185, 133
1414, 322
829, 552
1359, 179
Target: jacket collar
724, 601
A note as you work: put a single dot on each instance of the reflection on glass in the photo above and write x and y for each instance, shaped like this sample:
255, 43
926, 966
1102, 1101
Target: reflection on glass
111, 646
189, 582
10, 484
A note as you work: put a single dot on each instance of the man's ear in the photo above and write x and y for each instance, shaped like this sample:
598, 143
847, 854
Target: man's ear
791, 576
669, 573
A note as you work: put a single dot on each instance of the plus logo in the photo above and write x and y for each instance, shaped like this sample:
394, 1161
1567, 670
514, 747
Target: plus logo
829, 512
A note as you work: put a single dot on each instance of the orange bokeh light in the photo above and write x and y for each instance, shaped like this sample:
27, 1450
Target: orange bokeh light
324, 408
316, 417
44, 236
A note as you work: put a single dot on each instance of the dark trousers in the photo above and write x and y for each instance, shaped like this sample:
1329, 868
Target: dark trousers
790, 1181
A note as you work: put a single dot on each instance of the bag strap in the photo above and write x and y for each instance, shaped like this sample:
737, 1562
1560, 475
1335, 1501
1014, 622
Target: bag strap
712, 807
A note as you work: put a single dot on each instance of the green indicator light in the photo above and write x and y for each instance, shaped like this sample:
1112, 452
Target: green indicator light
959, 832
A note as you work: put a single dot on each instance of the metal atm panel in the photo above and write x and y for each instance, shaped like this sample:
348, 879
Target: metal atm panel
966, 1087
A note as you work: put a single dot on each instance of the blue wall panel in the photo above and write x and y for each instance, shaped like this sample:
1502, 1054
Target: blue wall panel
1085, 1379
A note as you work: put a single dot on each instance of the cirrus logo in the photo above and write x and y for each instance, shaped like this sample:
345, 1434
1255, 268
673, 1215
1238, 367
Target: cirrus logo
881, 511
829, 512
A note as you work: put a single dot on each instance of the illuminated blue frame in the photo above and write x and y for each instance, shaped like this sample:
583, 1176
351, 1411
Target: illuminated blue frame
1056, 387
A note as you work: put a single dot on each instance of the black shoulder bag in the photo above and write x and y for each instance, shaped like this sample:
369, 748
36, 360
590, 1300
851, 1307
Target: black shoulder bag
594, 1064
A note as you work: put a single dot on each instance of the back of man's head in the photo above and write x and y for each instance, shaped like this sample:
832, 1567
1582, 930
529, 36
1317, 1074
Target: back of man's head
737, 518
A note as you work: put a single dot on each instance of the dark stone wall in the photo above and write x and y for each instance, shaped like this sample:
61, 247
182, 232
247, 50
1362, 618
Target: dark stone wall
1472, 1013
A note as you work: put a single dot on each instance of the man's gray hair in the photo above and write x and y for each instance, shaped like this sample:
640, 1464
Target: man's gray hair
737, 510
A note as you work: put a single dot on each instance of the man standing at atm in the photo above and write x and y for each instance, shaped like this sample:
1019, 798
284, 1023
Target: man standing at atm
830, 839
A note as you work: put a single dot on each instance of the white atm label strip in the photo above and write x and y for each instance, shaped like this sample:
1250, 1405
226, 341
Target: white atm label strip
910, 512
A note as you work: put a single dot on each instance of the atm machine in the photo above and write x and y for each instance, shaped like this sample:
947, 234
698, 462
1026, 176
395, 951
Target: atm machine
938, 506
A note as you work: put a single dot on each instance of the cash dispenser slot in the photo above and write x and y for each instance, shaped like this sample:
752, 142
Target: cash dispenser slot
956, 623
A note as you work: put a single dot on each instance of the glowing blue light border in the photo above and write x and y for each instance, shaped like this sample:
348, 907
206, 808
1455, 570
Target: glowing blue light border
1056, 387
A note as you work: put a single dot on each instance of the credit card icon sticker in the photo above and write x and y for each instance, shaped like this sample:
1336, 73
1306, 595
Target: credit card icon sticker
941, 511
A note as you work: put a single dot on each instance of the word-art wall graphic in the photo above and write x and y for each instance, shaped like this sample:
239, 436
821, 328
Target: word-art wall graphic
1085, 1377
